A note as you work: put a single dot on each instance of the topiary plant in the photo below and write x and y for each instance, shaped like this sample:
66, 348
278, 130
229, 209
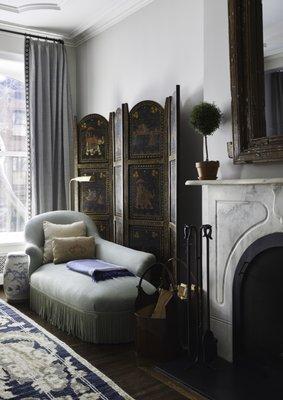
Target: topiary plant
206, 118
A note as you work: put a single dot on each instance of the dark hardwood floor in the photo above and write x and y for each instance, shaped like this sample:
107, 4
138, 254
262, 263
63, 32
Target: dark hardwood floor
118, 362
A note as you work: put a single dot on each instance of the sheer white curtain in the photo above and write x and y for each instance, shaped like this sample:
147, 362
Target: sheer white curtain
13, 152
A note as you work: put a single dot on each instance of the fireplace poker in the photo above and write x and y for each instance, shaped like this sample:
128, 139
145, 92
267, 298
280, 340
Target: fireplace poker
209, 342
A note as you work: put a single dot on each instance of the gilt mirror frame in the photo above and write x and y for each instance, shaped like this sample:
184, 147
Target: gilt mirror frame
250, 144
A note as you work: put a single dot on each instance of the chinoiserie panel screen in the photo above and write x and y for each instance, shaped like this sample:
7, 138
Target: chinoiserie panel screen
134, 166
94, 158
145, 183
145, 178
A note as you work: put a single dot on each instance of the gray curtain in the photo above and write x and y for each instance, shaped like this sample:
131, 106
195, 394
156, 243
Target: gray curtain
50, 125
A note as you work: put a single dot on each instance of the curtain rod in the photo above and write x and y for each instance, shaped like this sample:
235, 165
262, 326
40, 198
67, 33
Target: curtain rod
32, 36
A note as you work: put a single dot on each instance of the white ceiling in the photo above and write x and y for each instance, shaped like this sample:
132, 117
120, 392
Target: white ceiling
74, 20
79, 20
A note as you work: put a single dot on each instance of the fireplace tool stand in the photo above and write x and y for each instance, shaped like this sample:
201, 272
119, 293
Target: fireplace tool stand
202, 345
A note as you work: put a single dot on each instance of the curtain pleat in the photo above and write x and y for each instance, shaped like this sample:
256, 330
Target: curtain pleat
50, 125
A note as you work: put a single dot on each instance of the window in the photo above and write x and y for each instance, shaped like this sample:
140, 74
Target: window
19, 117
13, 148
20, 95
19, 122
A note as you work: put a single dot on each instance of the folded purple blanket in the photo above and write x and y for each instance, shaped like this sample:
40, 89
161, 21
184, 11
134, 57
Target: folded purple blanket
99, 270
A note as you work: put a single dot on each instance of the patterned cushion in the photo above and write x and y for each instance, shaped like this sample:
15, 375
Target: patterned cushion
72, 248
52, 231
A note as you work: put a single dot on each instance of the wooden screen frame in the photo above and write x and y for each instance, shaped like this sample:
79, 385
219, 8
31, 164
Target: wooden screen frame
173, 225
118, 218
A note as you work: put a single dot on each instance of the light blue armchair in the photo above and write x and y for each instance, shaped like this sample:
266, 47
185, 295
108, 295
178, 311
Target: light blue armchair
95, 312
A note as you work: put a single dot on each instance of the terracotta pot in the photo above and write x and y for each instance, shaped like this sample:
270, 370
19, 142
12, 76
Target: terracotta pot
207, 170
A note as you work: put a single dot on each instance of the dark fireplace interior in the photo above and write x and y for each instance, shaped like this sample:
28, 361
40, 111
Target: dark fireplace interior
257, 371
258, 303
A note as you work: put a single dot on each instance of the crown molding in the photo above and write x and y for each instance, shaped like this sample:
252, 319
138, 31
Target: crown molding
108, 18
89, 30
30, 7
103, 14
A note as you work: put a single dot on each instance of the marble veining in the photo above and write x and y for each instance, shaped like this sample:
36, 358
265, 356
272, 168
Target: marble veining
239, 214
278, 202
235, 219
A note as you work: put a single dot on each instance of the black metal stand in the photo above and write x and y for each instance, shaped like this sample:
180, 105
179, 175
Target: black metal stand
201, 370
202, 348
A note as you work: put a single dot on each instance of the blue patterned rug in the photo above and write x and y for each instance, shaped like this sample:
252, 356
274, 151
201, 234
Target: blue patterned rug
36, 365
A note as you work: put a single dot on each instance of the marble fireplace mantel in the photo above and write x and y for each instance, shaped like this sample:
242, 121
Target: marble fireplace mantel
240, 212
258, 181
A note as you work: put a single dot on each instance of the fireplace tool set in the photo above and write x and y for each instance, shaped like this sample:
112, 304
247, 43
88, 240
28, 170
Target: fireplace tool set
202, 345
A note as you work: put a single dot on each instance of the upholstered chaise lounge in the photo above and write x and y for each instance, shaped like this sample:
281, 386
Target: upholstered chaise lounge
97, 312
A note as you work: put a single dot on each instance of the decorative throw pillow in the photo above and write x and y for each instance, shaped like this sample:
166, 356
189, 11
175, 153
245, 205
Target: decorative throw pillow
52, 231
72, 248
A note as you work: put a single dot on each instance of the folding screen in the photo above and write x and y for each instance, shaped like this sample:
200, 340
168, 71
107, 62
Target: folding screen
145, 170
94, 158
146, 178
133, 193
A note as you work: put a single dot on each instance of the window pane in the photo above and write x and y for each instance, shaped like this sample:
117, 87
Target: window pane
13, 148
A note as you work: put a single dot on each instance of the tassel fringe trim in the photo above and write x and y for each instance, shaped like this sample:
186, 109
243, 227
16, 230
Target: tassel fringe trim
93, 328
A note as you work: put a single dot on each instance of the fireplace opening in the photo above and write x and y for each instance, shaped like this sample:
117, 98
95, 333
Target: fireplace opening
258, 303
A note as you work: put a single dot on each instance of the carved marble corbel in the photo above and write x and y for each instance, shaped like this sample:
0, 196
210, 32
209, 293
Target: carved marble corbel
277, 190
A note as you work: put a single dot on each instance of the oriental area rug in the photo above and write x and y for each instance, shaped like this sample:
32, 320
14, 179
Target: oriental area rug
34, 364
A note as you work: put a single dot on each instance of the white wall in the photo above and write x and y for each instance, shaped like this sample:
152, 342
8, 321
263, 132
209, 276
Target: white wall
217, 89
144, 57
